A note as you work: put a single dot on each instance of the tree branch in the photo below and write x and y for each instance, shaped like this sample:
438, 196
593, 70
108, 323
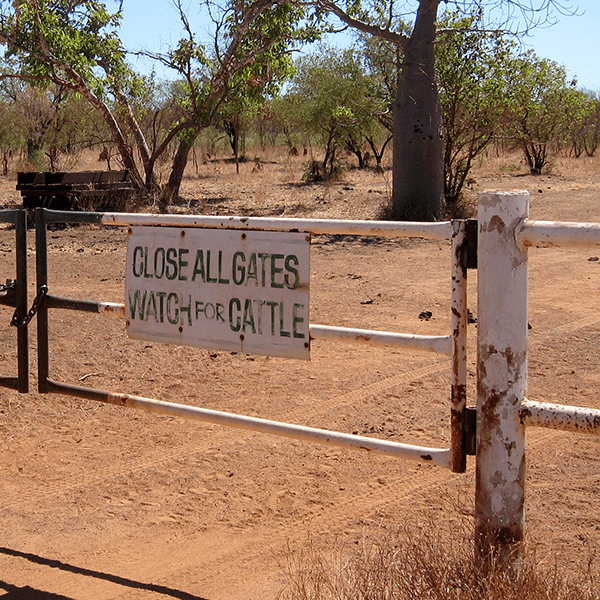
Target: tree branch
386, 34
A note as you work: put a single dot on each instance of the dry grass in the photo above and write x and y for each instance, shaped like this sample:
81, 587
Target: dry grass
270, 185
413, 564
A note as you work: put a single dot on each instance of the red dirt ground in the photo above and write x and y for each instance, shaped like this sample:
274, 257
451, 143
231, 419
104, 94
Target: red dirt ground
100, 502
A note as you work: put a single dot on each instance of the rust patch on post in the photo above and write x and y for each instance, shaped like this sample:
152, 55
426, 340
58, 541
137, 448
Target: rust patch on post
458, 429
364, 338
496, 224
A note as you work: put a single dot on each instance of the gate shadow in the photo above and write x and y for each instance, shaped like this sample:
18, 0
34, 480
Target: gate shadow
17, 593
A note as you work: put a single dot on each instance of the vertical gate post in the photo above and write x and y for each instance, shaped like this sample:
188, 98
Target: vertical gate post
501, 379
41, 251
459, 348
21, 306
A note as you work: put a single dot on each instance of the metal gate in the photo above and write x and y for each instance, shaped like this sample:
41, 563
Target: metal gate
503, 412
453, 344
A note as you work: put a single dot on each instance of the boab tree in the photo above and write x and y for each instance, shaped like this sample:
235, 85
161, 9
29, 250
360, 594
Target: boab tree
418, 172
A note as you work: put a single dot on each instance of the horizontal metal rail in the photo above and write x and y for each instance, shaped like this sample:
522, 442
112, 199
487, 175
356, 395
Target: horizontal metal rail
437, 456
9, 216
429, 343
439, 231
559, 416
553, 234
11, 383
114, 309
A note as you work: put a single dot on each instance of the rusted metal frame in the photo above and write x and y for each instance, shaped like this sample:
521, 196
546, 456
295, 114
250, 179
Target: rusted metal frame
430, 343
41, 269
438, 231
105, 308
437, 456
561, 417
443, 230
17, 298
442, 344
501, 379
69, 216
42, 218
553, 234
459, 347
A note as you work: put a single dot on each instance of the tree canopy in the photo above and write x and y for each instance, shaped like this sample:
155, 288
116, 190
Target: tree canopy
76, 45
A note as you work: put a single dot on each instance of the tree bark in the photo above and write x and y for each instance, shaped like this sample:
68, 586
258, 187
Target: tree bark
170, 192
418, 163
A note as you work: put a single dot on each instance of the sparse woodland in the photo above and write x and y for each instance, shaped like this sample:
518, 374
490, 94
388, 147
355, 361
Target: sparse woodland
66, 86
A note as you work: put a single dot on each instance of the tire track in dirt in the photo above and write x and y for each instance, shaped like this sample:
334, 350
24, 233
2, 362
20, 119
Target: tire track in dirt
539, 337
348, 510
162, 457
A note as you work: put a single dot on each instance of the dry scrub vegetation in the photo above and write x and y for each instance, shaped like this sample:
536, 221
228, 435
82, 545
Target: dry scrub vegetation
431, 562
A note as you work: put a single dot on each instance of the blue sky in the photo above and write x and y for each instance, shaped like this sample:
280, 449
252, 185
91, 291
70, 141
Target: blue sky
574, 42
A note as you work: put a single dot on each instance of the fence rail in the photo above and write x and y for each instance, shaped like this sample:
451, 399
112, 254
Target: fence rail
553, 234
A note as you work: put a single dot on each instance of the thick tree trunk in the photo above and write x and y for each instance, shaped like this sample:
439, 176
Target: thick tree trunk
170, 192
418, 167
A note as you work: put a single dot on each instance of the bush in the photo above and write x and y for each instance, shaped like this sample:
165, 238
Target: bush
314, 172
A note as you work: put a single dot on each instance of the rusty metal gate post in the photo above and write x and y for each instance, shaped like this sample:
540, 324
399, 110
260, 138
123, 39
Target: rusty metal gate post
501, 379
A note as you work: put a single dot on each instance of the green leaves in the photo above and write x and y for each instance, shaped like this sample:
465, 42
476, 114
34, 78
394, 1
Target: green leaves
537, 97
64, 41
334, 98
470, 68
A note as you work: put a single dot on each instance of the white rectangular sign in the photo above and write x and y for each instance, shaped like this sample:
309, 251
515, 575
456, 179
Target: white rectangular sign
225, 289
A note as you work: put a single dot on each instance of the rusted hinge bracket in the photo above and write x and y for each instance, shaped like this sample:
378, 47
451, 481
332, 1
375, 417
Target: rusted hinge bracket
470, 431
471, 245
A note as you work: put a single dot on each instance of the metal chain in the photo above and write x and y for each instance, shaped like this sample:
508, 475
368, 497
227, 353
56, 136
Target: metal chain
11, 284
32, 311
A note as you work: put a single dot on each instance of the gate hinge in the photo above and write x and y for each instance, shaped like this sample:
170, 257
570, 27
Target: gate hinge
472, 230
470, 431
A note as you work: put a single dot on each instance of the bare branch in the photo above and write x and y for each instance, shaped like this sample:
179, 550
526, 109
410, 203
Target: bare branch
386, 34
520, 16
